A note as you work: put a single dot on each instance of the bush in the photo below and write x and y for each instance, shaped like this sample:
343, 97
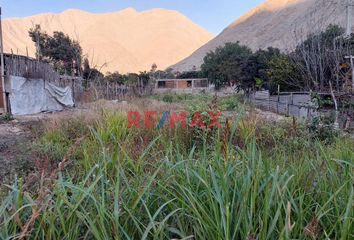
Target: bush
322, 128
6, 117
168, 98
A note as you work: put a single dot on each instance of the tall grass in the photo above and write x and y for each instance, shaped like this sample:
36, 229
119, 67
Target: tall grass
161, 184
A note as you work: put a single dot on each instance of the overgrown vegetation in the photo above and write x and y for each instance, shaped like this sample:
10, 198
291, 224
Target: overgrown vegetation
100, 179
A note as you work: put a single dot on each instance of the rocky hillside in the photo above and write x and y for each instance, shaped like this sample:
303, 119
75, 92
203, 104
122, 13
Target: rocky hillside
126, 41
277, 23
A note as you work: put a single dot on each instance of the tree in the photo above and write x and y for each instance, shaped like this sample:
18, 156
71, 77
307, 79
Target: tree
225, 63
90, 74
254, 70
168, 74
153, 68
144, 78
60, 49
190, 74
283, 72
115, 77
320, 56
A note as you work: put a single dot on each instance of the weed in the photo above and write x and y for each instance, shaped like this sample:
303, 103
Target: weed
254, 180
6, 117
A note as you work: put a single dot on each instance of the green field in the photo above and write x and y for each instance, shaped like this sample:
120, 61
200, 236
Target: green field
252, 179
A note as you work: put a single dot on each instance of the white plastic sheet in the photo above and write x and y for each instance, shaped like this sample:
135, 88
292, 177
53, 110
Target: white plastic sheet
30, 96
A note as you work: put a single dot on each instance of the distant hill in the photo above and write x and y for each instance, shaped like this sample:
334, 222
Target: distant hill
277, 23
128, 41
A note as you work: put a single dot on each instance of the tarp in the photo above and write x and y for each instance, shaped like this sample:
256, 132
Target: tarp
30, 96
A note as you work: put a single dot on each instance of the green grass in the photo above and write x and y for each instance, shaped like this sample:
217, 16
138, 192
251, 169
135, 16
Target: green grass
186, 98
251, 180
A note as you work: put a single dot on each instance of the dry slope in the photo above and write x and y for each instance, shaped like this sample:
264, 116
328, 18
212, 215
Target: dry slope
128, 41
276, 23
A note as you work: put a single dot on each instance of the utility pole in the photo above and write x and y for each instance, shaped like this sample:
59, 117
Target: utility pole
2, 71
349, 7
351, 57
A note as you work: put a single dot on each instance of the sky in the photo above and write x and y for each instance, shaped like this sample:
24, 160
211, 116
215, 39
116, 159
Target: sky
213, 15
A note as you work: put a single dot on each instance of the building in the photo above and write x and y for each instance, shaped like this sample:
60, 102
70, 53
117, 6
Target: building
182, 85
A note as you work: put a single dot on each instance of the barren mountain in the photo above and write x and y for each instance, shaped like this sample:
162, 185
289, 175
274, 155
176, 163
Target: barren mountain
126, 41
275, 23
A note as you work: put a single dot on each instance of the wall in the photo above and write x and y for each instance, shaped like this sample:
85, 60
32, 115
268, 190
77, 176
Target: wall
294, 105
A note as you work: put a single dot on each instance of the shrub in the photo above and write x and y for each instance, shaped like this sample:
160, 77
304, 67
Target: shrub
167, 98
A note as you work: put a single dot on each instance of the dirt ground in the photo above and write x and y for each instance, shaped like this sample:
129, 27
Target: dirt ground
15, 154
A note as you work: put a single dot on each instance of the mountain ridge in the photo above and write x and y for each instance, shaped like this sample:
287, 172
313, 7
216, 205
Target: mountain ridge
124, 41
274, 23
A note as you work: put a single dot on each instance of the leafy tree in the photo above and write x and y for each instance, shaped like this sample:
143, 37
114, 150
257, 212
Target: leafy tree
283, 72
60, 49
225, 63
254, 70
237, 63
168, 74
115, 77
90, 73
191, 74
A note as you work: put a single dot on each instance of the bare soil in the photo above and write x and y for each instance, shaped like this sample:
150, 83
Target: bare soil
15, 149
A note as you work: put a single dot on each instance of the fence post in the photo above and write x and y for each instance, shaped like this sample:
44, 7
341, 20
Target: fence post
73, 88
287, 107
278, 105
308, 113
269, 102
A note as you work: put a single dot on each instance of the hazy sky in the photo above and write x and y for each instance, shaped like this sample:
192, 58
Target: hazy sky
214, 15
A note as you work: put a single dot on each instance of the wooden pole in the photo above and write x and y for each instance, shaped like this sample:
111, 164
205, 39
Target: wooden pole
2, 65
349, 18
351, 57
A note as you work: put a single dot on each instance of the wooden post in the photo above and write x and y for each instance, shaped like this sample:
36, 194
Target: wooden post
287, 107
269, 103
278, 105
351, 57
73, 88
3, 92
